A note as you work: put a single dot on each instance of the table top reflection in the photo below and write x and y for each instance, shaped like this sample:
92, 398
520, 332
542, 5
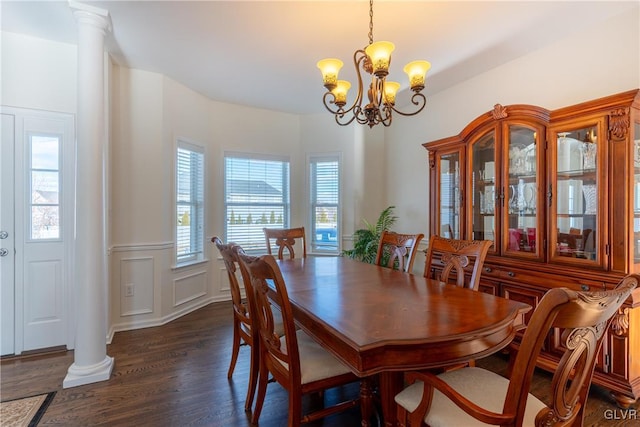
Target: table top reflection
376, 319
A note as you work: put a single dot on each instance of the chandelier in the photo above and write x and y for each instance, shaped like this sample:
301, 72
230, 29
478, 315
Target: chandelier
374, 60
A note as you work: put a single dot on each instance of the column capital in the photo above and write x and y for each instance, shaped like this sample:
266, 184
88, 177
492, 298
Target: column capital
91, 15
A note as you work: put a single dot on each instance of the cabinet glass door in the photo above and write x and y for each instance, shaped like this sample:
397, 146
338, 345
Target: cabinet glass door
449, 177
483, 188
575, 207
636, 194
521, 191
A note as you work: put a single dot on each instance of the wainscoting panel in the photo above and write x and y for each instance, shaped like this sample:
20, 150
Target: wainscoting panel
421, 257
162, 292
44, 308
224, 281
188, 288
136, 286
225, 287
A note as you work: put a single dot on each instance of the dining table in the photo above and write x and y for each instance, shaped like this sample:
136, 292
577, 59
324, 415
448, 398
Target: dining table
381, 322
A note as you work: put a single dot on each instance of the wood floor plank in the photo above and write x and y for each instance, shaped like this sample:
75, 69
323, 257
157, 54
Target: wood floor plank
176, 375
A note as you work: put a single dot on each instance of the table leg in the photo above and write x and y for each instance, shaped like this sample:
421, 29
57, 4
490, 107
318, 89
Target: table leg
366, 401
391, 383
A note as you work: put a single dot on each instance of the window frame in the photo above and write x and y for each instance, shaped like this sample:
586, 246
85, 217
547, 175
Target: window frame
60, 180
314, 248
259, 246
198, 221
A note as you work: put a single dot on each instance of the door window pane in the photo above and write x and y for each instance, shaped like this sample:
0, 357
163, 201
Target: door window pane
45, 152
44, 185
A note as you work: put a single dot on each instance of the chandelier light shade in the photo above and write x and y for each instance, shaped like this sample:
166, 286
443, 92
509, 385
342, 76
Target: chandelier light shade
379, 54
340, 92
381, 94
417, 72
330, 68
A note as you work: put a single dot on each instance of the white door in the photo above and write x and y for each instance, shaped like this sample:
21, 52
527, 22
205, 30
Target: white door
43, 178
7, 237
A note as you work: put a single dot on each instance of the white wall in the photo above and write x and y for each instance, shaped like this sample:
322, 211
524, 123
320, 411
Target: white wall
150, 112
137, 159
38, 74
588, 64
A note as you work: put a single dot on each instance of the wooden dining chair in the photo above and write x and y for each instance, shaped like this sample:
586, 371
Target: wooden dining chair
397, 249
285, 239
243, 331
452, 255
477, 397
295, 361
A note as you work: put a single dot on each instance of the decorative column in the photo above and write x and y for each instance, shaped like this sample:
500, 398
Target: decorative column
91, 363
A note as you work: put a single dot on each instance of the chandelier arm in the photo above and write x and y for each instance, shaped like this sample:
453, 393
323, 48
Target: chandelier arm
388, 118
358, 100
359, 115
359, 56
327, 95
340, 116
378, 93
417, 99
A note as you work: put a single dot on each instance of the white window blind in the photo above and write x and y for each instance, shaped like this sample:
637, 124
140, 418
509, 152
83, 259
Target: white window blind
189, 203
256, 197
325, 203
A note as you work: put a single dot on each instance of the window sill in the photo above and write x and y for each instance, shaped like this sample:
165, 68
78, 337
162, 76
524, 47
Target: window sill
189, 264
325, 254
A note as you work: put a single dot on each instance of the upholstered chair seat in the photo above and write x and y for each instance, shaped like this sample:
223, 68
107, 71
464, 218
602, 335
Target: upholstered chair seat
484, 388
316, 363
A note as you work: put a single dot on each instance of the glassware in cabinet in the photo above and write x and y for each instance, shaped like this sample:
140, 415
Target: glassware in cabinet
522, 190
484, 188
574, 192
449, 177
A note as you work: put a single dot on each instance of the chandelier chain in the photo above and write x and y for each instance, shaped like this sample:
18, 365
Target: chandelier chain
370, 21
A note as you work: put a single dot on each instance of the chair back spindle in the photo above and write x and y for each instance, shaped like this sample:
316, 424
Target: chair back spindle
398, 249
285, 240
456, 256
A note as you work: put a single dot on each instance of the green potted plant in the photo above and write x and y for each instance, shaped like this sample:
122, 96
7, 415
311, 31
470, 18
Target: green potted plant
366, 240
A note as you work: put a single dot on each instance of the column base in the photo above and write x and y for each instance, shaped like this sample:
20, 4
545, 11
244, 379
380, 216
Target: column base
81, 375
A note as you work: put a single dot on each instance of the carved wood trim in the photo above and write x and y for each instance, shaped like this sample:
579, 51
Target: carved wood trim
499, 112
619, 124
620, 323
432, 159
458, 245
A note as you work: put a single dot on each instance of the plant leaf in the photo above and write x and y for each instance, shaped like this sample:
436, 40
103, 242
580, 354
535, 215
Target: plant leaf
366, 240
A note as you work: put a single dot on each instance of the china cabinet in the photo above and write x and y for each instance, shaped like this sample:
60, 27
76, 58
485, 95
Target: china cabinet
558, 194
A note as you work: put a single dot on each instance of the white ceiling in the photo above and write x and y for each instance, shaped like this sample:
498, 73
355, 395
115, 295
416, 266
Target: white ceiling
263, 53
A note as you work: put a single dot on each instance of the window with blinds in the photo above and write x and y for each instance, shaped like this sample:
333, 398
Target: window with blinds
256, 196
325, 203
189, 203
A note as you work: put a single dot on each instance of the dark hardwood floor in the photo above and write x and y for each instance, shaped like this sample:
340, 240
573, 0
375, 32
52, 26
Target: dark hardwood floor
175, 375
